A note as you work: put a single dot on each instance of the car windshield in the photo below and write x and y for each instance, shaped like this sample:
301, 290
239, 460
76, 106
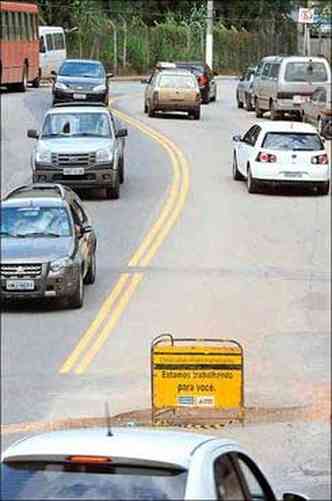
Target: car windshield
292, 141
306, 71
21, 222
76, 124
82, 69
178, 81
45, 480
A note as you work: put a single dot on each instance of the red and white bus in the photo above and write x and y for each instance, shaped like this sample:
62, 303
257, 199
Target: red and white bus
19, 45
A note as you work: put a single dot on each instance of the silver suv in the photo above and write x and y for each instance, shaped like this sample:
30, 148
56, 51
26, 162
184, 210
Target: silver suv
80, 146
283, 84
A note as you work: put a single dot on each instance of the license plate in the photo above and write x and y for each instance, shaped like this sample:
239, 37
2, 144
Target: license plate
299, 99
79, 96
293, 174
73, 171
20, 285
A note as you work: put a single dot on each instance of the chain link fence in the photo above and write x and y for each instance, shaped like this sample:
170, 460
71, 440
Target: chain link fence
129, 46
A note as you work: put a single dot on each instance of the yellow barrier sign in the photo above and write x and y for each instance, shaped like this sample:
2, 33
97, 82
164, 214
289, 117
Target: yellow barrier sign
205, 373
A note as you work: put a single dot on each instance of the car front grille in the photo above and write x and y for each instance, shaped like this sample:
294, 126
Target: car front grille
74, 159
21, 270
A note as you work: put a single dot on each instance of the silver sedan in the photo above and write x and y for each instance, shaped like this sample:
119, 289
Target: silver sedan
132, 463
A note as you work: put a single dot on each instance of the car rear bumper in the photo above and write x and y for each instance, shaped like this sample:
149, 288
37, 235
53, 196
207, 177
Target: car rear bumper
67, 97
289, 174
177, 107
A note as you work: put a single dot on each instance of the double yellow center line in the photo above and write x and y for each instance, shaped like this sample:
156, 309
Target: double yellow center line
111, 310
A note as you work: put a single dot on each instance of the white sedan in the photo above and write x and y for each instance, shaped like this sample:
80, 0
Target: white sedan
281, 153
129, 463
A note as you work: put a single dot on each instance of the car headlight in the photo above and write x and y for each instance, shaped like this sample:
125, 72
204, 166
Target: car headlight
104, 155
60, 85
44, 156
99, 88
61, 263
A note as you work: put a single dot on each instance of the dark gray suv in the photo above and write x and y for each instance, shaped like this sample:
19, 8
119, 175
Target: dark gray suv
48, 246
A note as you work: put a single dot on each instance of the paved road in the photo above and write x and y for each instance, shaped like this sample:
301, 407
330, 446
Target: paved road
254, 268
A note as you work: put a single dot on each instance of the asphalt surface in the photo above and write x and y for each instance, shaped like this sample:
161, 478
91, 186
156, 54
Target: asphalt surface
255, 268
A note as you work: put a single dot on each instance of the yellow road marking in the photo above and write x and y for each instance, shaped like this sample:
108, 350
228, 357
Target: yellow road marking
98, 332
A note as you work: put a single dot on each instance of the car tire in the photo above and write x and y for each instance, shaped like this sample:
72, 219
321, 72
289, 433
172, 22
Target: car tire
237, 176
259, 112
36, 81
150, 110
252, 184
22, 86
239, 103
196, 114
113, 193
274, 115
90, 277
205, 96
121, 170
248, 104
323, 188
145, 108
77, 299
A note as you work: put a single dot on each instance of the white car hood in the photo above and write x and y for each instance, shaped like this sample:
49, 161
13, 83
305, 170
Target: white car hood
75, 144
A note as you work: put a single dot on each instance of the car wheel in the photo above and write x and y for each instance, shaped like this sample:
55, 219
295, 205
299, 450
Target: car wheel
248, 103
196, 114
205, 96
145, 108
237, 176
36, 81
239, 103
121, 170
323, 188
76, 300
259, 112
252, 184
22, 86
113, 193
274, 115
150, 110
91, 275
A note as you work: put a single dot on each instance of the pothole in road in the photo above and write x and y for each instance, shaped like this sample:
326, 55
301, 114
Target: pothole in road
192, 418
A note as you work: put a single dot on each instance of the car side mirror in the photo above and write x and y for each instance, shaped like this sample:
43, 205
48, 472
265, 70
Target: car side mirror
237, 139
122, 133
33, 133
53, 73
241, 79
144, 81
292, 496
215, 72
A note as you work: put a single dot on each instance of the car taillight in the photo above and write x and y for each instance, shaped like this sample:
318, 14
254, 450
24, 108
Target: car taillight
89, 459
202, 80
320, 160
266, 157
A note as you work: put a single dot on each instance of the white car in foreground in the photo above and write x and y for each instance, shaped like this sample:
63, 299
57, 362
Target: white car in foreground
129, 463
281, 153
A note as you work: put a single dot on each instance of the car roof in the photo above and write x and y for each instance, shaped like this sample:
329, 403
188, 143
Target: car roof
78, 109
177, 72
32, 201
94, 61
283, 126
191, 63
162, 446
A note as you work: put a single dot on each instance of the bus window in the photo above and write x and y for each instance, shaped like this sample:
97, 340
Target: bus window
4, 25
35, 27
29, 26
59, 42
42, 47
49, 42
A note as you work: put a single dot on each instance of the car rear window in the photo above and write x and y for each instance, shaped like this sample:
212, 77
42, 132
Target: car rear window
178, 81
53, 480
81, 69
292, 141
306, 71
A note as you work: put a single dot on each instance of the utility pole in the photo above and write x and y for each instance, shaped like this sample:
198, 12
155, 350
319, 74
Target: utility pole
209, 34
